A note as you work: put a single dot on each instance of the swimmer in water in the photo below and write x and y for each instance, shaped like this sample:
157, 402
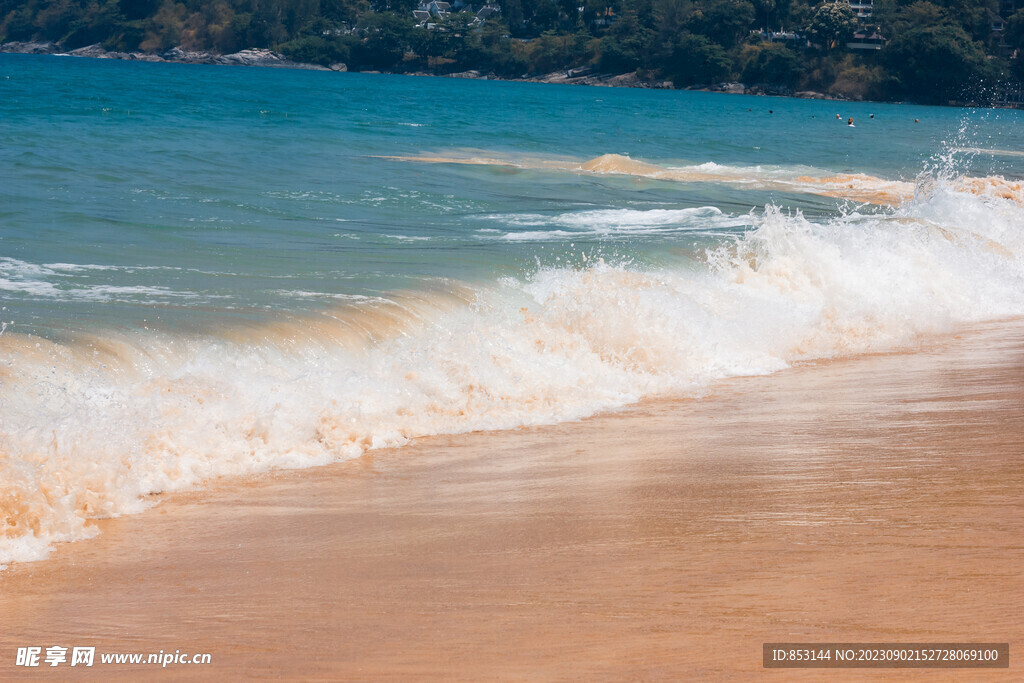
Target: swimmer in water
850, 121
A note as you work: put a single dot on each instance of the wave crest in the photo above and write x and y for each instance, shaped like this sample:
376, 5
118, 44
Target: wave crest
91, 428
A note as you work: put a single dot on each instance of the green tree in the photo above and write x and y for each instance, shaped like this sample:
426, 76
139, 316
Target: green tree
723, 21
770, 63
138, 9
973, 16
858, 80
387, 35
19, 25
831, 25
899, 18
1014, 36
317, 50
628, 45
695, 59
671, 17
1014, 33
937, 63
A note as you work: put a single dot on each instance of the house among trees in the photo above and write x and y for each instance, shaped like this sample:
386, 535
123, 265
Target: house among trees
486, 12
436, 8
998, 38
862, 8
605, 19
786, 37
866, 39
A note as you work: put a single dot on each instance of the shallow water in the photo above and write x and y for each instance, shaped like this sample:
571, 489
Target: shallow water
210, 271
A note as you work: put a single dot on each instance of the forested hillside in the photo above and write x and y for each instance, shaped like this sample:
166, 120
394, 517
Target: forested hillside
934, 51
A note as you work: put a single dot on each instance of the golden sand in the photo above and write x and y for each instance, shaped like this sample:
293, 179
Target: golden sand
872, 499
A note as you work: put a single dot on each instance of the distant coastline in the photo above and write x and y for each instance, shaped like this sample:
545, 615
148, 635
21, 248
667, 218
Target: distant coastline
261, 57
266, 58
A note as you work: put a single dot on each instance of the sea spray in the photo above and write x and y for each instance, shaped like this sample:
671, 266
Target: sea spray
91, 427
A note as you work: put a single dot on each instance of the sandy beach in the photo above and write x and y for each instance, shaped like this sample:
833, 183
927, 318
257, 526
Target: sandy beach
871, 499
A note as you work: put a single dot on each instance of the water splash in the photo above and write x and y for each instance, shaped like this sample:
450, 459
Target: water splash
92, 428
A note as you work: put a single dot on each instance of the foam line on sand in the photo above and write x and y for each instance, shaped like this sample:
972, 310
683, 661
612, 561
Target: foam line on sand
876, 498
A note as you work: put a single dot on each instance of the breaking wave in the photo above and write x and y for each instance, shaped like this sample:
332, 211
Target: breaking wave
91, 428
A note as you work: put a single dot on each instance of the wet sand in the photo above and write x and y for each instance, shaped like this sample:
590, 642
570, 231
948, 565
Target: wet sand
871, 499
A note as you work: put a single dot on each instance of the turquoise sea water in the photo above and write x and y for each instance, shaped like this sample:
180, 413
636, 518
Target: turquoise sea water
226, 191
209, 271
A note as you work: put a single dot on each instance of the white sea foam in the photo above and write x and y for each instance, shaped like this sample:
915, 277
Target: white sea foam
538, 235
78, 267
618, 221
748, 173
992, 151
90, 429
27, 286
33, 279
356, 298
22, 270
409, 238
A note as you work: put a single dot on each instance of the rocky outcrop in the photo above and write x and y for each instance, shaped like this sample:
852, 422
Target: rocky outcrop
466, 74
731, 88
183, 56
30, 48
767, 89
770, 89
251, 57
261, 58
97, 52
255, 57
585, 76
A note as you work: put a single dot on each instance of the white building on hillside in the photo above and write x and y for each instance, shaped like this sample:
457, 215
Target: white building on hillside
862, 8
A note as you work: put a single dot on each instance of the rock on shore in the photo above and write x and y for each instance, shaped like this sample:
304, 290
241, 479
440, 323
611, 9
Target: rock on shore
252, 57
587, 77
30, 48
767, 89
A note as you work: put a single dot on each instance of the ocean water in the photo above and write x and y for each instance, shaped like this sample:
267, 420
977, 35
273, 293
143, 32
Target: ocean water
210, 271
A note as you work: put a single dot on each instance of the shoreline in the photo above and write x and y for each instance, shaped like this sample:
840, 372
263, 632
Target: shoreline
267, 58
263, 57
875, 498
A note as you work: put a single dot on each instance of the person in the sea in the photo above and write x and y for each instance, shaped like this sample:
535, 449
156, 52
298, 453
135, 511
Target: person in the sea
850, 121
